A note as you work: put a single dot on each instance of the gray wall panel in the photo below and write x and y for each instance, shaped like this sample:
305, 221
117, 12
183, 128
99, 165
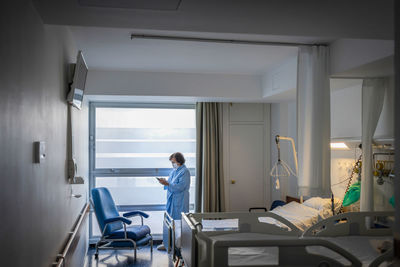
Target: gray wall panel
35, 202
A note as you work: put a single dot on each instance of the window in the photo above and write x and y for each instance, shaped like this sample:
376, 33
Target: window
130, 145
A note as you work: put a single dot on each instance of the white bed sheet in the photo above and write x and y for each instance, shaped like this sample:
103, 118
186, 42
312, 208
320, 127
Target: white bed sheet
300, 215
178, 232
220, 225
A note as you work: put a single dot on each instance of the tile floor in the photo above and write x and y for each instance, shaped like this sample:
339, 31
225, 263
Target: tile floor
124, 258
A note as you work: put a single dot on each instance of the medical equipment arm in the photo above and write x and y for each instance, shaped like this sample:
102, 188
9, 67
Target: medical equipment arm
293, 150
281, 168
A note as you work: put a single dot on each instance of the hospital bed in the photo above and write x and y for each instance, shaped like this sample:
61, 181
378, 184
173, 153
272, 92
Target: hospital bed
302, 216
252, 243
292, 219
295, 217
360, 233
341, 240
198, 226
179, 235
202, 231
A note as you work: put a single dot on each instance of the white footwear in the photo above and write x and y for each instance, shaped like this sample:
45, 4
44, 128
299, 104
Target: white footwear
161, 247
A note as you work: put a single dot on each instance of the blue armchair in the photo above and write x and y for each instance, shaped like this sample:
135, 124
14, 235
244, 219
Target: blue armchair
115, 232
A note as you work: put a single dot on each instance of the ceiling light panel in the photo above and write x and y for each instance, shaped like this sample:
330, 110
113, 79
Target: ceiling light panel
339, 146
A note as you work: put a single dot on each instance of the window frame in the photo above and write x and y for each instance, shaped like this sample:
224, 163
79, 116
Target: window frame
123, 172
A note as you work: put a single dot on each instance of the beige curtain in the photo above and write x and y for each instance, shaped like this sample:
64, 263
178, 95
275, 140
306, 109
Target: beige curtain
210, 195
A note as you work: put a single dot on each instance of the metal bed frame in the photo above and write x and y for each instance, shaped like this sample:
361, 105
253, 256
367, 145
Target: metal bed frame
351, 223
170, 223
214, 252
200, 249
356, 224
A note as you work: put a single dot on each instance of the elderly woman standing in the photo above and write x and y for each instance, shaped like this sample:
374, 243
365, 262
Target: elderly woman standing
178, 185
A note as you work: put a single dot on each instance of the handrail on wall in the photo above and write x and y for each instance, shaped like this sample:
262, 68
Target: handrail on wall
61, 257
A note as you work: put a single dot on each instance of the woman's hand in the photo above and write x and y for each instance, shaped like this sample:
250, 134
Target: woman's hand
163, 181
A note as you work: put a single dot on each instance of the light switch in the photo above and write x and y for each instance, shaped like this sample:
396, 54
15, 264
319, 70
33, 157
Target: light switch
40, 151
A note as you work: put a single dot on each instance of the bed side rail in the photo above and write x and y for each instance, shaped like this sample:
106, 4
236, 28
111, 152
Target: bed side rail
170, 225
188, 244
353, 223
248, 222
387, 257
292, 252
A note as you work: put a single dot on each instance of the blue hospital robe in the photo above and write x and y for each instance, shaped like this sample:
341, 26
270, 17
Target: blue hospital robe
178, 192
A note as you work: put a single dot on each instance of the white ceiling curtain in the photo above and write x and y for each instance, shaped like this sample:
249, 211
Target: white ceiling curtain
314, 121
373, 93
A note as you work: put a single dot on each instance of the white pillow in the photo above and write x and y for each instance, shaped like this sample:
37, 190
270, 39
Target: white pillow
319, 203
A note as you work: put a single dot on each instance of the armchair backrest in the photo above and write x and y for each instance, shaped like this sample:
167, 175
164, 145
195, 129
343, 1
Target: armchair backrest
105, 208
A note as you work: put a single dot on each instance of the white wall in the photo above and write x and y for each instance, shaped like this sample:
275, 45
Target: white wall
350, 54
346, 113
245, 87
38, 211
280, 83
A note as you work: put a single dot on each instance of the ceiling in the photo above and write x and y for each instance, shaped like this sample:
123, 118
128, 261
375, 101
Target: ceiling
102, 30
372, 19
112, 49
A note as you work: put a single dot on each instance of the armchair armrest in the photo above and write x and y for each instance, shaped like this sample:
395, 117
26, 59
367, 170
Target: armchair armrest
117, 219
136, 213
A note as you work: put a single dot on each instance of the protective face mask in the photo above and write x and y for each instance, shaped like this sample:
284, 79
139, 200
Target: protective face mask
175, 166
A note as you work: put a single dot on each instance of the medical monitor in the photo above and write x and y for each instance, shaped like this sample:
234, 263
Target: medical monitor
75, 95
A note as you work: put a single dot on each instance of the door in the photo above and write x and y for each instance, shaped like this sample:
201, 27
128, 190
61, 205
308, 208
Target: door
246, 167
246, 160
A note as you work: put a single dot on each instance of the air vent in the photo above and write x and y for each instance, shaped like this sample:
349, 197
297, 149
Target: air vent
133, 4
